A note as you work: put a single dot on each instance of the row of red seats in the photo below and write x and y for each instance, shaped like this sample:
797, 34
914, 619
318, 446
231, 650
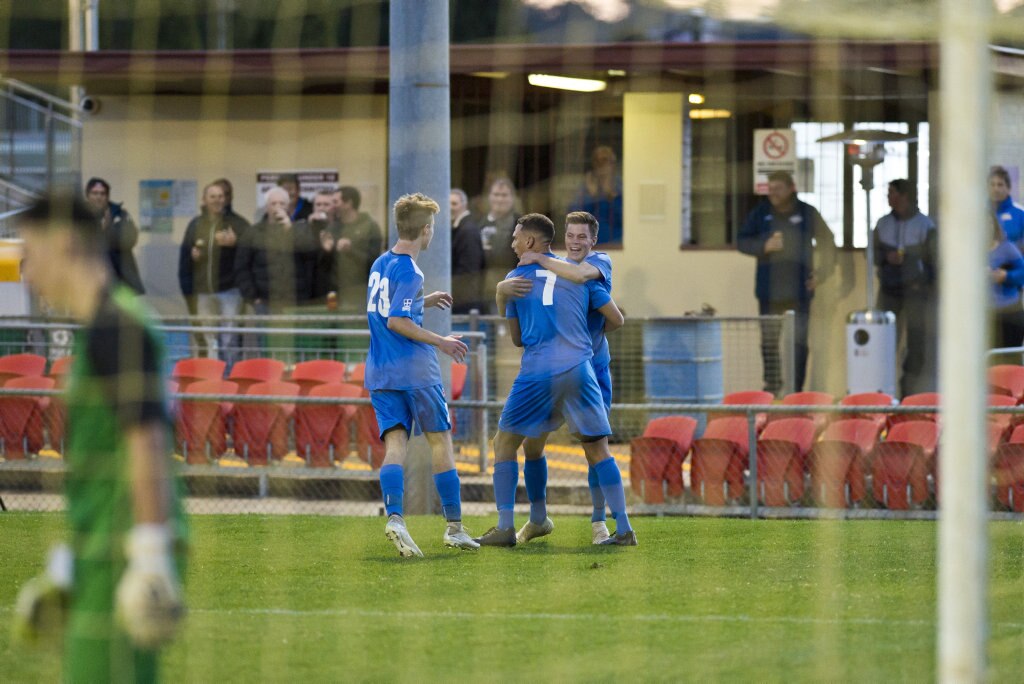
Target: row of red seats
836, 458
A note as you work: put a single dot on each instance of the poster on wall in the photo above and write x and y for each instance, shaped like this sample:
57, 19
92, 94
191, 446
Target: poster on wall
161, 200
774, 150
310, 180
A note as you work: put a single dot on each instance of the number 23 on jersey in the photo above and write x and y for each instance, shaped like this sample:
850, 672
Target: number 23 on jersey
379, 299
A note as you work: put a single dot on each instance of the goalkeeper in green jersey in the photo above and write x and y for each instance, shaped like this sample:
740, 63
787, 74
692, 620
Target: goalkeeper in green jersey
115, 588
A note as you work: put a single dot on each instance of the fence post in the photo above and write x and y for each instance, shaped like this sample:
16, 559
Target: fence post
752, 460
789, 334
485, 422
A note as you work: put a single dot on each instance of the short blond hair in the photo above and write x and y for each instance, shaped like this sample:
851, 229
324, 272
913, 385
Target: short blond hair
412, 212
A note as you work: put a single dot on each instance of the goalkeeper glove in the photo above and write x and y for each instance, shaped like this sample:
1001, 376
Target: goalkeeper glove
149, 605
42, 607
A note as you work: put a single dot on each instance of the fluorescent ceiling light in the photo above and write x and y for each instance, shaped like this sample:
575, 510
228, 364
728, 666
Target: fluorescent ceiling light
490, 74
616, 72
710, 113
696, 98
583, 85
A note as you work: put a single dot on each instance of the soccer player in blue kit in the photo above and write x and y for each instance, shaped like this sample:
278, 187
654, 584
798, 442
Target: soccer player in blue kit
583, 265
403, 374
556, 381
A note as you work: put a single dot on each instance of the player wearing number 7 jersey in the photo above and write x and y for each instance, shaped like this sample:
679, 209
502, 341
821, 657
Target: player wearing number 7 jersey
556, 380
583, 264
403, 375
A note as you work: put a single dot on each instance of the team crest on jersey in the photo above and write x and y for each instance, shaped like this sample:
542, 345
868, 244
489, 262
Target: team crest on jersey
406, 305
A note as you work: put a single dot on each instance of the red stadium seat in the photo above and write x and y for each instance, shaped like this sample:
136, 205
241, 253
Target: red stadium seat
746, 397
309, 374
20, 366
1007, 379
657, 457
868, 399
368, 442
60, 368
251, 371
261, 429
21, 417
806, 399
56, 414
839, 461
921, 399
459, 372
357, 373
322, 430
201, 426
782, 452
1005, 421
1008, 472
902, 463
187, 371
719, 460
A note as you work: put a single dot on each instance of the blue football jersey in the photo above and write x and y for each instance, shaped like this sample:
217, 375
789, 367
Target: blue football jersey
595, 320
395, 362
553, 321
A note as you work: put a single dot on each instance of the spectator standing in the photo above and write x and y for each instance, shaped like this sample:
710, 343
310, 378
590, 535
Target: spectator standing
496, 234
1006, 271
904, 244
786, 236
299, 208
324, 227
356, 245
206, 268
467, 256
119, 230
601, 195
274, 260
1010, 216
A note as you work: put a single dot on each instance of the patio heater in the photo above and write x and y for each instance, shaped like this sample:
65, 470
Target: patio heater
871, 336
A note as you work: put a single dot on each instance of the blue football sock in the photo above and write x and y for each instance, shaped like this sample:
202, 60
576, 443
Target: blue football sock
535, 474
506, 479
392, 486
447, 484
596, 495
611, 484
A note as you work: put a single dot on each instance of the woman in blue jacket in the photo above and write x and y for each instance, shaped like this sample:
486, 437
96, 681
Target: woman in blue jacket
1006, 271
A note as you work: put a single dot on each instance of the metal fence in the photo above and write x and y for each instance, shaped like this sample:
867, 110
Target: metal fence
680, 449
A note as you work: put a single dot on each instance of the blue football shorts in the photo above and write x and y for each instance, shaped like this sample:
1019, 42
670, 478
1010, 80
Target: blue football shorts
422, 409
604, 381
537, 406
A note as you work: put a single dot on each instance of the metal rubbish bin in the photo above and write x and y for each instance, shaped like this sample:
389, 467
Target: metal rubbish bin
683, 362
871, 352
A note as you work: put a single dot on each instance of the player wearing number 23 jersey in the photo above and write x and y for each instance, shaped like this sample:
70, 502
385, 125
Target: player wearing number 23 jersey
395, 362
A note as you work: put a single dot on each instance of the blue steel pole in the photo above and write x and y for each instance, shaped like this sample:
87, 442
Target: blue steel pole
419, 160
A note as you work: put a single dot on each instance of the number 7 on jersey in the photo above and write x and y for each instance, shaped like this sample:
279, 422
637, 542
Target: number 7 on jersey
548, 296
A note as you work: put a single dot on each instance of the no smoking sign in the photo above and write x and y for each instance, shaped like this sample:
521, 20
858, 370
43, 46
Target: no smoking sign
775, 145
774, 150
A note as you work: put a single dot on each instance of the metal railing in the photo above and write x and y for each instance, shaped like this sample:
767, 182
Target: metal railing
40, 147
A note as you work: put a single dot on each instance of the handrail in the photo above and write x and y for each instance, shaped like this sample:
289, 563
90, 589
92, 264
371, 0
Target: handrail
42, 95
40, 109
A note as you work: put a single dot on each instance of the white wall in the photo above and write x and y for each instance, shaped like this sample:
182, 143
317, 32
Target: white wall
203, 138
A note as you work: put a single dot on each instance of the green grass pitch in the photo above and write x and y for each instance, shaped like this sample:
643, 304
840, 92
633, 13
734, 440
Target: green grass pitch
327, 599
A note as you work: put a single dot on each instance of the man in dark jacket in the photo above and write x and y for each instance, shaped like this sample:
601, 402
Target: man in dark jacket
787, 236
467, 257
120, 231
905, 256
355, 245
274, 259
206, 268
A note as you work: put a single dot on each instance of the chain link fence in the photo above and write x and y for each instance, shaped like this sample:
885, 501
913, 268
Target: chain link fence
266, 434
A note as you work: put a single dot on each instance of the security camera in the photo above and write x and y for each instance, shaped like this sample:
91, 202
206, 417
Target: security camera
89, 104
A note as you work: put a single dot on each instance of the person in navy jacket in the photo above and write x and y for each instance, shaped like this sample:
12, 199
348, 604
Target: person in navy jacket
1010, 216
795, 253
